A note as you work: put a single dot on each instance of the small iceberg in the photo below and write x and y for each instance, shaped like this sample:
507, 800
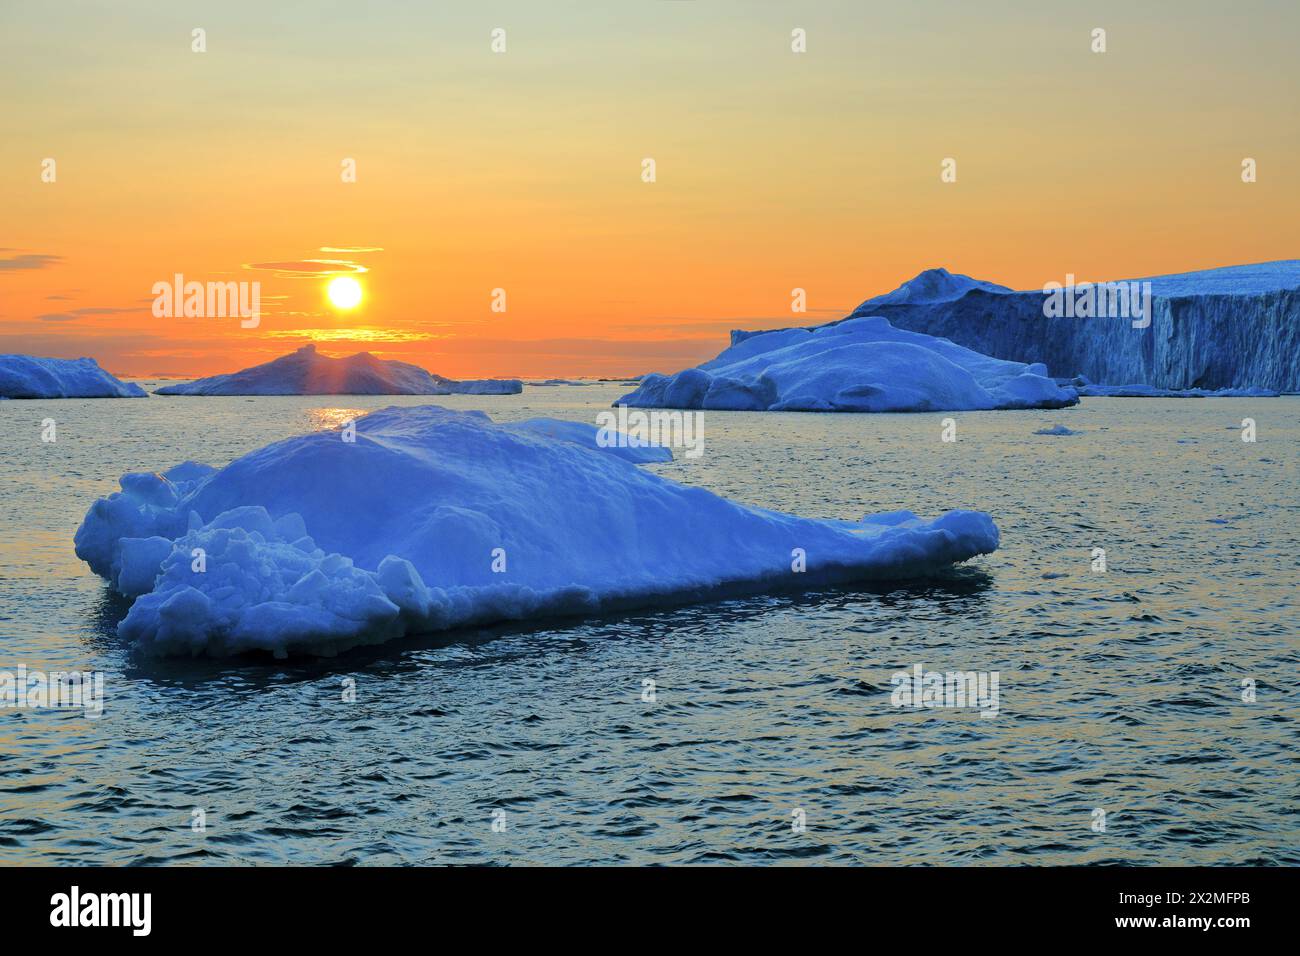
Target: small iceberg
308, 372
433, 519
27, 376
1150, 391
1057, 430
859, 365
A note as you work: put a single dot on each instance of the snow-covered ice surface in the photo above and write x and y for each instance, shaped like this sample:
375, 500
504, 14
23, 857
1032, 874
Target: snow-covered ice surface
308, 372
1236, 327
864, 365
315, 544
27, 376
629, 447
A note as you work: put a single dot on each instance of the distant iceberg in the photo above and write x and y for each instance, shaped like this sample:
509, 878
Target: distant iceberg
434, 519
307, 372
1235, 328
863, 365
1150, 391
26, 376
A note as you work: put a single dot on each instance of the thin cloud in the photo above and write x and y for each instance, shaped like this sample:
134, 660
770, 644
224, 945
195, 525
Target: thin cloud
31, 260
349, 250
87, 310
351, 335
308, 268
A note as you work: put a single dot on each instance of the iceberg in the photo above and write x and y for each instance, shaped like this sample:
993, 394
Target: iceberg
1150, 391
481, 386
307, 372
1236, 327
434, 519
862, 365
27, 376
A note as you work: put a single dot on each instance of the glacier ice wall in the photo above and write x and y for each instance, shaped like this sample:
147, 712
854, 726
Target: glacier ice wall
1237, 327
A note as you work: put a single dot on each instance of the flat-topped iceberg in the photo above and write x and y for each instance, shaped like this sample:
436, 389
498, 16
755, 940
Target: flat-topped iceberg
1236, 327
308, 372
433, 519
27, 376
863, 365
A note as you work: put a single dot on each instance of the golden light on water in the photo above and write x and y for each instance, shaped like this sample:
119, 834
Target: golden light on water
328, 419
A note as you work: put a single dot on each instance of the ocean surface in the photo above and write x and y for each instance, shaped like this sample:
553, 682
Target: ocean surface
770, 735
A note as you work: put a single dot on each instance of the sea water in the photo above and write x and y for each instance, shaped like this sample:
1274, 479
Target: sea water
1147, 696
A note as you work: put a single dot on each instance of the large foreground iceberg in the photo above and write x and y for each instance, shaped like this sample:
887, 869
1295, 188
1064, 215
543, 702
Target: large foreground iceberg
27, 376
865, 365
1236, 327
433, 519
307, 372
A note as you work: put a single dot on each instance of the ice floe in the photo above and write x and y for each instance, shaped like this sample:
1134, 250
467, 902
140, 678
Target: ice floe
432, 519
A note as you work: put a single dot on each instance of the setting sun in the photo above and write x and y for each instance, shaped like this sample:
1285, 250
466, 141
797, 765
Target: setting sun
344, 292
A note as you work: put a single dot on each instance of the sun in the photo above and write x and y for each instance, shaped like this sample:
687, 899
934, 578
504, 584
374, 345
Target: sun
344, 292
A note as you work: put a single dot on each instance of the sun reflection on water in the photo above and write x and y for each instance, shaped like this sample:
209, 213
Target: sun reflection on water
327, 419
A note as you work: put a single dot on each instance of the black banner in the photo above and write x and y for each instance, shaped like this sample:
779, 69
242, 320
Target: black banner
333, 906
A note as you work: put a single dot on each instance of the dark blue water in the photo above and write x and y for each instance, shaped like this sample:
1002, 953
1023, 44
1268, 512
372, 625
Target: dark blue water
1119, 691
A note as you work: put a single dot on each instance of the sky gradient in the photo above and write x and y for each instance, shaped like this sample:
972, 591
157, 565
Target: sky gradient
522, 170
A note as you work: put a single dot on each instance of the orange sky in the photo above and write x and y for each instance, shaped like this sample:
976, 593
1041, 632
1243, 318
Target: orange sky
522, 170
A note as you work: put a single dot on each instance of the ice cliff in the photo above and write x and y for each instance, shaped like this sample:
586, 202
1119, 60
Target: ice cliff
1231, 328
